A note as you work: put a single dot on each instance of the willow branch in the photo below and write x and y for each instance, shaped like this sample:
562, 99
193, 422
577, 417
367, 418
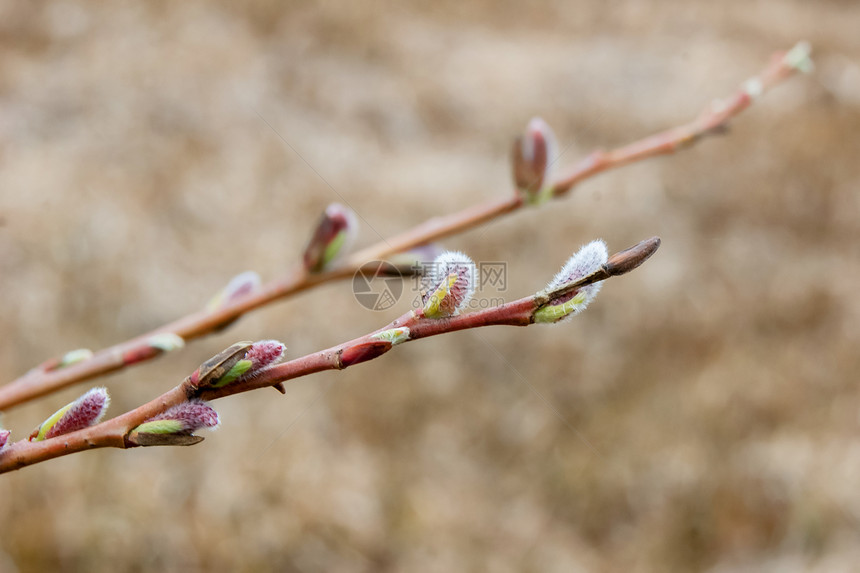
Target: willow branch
118, 432
39, 382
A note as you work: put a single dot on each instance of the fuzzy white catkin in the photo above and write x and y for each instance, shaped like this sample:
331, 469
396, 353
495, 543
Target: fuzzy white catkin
586, 260
454, 262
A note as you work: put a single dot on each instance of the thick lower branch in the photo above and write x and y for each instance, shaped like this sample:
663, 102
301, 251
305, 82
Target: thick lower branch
411, 326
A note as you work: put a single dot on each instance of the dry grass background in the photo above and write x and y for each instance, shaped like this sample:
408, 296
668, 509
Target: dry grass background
702, 415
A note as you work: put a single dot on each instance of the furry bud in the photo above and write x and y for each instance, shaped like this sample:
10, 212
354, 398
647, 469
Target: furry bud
265, 353
532, 158
241, 360
332, 238
183, 419
450, 286
585, 261
239, 286
155, 345
82, 413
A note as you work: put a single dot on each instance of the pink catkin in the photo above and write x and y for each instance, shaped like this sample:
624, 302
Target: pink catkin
239, 286
263, 353
335, 220
86, 411
192, 415
462, 287
4, 437
586, 260
534, 153
446, 264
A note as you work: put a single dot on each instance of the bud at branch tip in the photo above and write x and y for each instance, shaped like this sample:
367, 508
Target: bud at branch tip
625, 261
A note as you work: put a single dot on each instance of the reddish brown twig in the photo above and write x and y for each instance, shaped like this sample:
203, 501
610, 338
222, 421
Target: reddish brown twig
40, 382
118, 432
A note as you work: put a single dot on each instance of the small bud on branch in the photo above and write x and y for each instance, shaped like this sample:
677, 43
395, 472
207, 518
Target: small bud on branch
154, 345
532, 158
73, 357
393, 335
332, 238
363, 352
240, 360
239, 286
166, 342
213, 371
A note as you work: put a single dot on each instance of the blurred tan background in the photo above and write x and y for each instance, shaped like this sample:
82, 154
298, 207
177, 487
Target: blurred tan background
702, 415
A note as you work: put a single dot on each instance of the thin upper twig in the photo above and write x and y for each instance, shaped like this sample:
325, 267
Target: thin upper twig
39, 382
